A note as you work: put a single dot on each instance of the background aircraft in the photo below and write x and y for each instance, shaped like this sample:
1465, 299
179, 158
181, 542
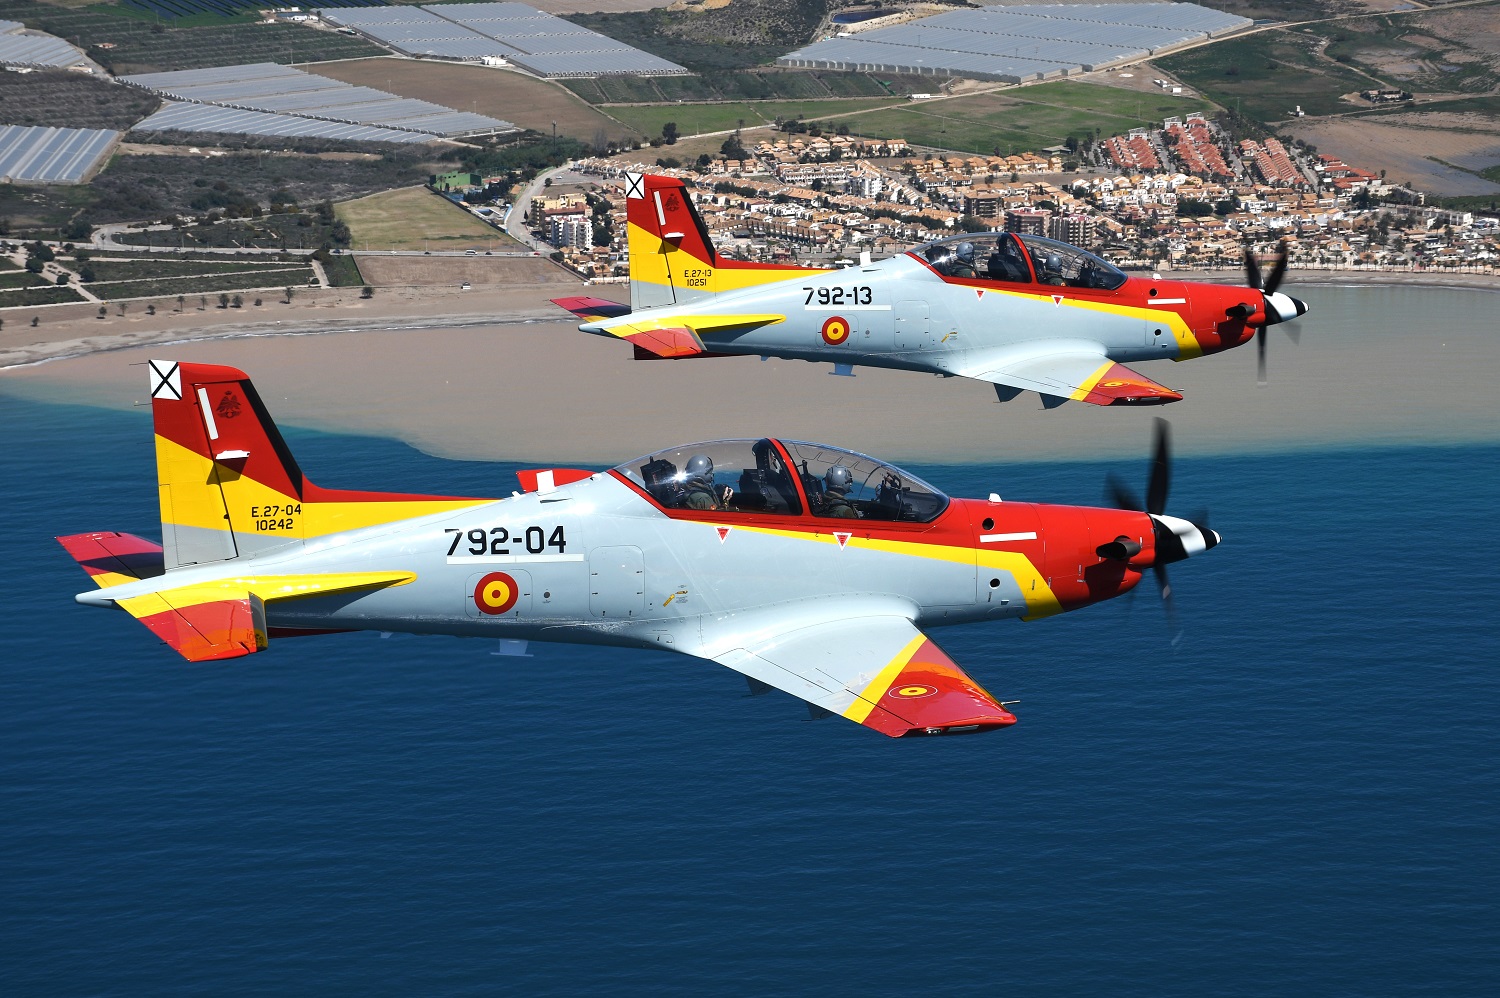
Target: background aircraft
1021, 312
803, 567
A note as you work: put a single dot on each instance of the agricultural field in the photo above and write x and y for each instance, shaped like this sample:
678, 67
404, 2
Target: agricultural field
156, 266
39, 296
1022, 119
414, 218
141, 44
528, 102
284, 231
170, 286
60, 99
692, 119
1443, 152
448, 271
760, 84
343, 272
1267, 75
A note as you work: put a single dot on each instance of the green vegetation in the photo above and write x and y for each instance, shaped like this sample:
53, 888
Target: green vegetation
1266, 75
60, 99
763, 84
39, 296
142, 45
20, 279
745, 33
132, 188
166, 287
343, 272
1029, 118
155, 266
285, 231
692, 119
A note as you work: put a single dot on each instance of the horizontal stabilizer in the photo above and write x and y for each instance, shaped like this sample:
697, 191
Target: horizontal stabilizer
112, 558
226, 618
671, 341
592, 309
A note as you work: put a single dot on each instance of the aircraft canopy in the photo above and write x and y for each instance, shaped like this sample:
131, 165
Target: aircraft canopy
1019, 259
785, 477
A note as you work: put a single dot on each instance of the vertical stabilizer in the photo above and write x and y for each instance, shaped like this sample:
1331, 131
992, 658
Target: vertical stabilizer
228, 484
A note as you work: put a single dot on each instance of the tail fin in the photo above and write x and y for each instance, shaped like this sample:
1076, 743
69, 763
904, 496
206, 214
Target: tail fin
229, 486
672, 258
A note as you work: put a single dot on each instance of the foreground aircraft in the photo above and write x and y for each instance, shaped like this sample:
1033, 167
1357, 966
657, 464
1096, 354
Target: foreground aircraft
1022, 312
804, 567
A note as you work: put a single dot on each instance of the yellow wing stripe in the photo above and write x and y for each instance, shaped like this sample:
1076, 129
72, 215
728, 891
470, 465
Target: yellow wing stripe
1088, 384
875, 689
266, 587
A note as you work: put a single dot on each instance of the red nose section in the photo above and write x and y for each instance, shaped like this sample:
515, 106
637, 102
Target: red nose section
1223, 315
1076, 569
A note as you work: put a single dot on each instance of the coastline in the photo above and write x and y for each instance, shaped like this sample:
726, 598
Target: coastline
501, 374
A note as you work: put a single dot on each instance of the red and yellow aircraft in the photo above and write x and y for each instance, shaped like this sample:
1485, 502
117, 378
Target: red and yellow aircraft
1022, 312
803, 567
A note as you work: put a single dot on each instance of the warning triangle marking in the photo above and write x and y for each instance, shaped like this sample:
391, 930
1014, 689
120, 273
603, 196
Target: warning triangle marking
723, 532
842, 539
979, 292
1057, 299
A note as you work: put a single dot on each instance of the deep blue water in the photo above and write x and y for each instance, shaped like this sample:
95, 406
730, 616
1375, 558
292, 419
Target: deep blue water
1300, 797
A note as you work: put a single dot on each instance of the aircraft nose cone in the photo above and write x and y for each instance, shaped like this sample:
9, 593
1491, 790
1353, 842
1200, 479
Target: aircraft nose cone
1283, 308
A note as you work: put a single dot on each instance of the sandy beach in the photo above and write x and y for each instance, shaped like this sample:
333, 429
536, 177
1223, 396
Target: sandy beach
500, 373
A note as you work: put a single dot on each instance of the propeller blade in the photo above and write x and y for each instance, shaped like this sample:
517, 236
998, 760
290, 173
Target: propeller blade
1252, 269
1120, 494
1167, 602
1161, 469
1260, 356
1294, 334
1278, 271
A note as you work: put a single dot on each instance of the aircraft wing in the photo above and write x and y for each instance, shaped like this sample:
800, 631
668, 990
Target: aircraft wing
879, 671
1069, 374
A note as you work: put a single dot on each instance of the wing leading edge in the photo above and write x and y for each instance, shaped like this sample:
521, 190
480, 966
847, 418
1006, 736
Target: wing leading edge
881, 672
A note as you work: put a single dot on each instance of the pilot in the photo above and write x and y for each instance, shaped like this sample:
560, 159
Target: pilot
699, 490
836, 482
964, 265
1005, 264
1052, 269
941, 258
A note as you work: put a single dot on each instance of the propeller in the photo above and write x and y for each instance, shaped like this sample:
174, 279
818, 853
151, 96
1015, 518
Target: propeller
1278, 307
1176, 538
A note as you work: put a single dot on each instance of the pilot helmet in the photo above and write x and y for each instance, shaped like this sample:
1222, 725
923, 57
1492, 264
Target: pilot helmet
837, 479
1054, 263
939, 255
700, 467
966, 252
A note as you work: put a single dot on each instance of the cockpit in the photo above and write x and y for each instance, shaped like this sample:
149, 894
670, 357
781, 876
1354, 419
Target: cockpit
782, 478
1019, 259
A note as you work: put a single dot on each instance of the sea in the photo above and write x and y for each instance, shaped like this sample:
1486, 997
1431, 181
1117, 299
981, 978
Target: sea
1295, 791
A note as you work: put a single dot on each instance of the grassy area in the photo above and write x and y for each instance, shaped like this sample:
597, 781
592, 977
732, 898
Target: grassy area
413, 218
1027, 118
20, 279
141, 45
343, 272
694, 118
147, 268
39, 296
1266, 75
170, 287
746, 33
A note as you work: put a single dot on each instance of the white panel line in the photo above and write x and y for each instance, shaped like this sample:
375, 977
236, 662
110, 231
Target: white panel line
1029, 535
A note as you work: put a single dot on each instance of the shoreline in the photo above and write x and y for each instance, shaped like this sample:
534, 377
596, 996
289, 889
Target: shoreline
72, 331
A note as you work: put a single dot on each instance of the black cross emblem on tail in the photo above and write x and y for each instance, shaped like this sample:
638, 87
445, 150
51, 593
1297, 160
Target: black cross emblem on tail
165, 383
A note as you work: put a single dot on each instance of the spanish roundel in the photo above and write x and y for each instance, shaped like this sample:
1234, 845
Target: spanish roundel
496, 593
835, 330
